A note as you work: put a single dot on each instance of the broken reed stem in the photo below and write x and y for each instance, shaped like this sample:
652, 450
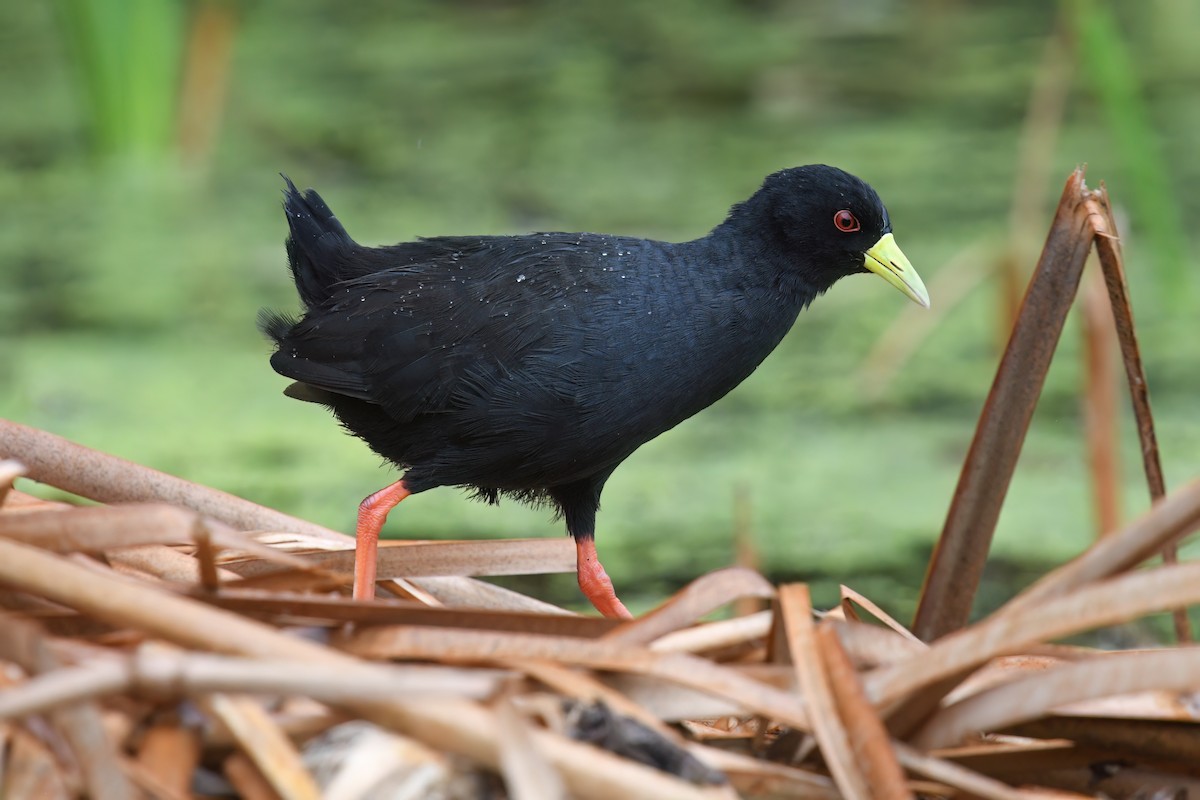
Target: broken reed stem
794, 615
1112, 262
956, 566
419, 559
80, 470
869, 742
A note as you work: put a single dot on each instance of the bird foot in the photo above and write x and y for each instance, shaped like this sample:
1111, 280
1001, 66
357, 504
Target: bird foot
372, 513
595, 583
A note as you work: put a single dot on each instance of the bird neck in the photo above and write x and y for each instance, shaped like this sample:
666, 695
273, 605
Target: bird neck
757, 257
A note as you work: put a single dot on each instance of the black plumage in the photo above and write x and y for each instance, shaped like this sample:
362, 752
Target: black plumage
532, 366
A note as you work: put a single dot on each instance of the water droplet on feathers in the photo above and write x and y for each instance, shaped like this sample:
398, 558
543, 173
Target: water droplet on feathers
521, 277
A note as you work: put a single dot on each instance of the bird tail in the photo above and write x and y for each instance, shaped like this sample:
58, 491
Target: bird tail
318, 246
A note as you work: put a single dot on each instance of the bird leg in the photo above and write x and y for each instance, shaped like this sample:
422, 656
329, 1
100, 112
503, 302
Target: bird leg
372, 512
594, 581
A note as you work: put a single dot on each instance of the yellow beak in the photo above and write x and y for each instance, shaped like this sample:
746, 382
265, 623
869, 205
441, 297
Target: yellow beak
887, 261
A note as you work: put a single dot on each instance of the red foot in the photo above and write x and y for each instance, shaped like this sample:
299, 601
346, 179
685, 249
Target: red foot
594, 581
372, 512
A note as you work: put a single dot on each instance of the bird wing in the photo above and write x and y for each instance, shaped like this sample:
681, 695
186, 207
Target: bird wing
453, 320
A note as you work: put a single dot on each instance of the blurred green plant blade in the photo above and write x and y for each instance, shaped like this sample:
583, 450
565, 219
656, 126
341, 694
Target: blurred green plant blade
1109, 67
127, 56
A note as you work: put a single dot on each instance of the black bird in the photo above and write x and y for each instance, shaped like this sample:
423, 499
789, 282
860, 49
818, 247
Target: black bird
532, 366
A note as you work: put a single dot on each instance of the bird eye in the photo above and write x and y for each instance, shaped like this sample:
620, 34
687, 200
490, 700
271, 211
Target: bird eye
845, 221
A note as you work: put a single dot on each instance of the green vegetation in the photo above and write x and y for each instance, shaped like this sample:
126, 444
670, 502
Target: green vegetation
127, 60
128, 287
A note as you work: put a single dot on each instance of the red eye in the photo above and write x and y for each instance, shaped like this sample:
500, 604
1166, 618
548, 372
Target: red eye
846, 222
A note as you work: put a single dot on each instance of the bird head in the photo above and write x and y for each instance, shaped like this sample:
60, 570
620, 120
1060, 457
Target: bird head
827, 223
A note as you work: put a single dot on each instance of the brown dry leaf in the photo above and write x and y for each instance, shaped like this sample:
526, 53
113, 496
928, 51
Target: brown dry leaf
151, 783
10, 470
338, 609
299, 726
1167, 521
581, 685
588, 772
31, 771
160, 561
1167, 741
16, 500
947, 772
1108, 249
163, 672
247, 780
848, 594
703, 595
757, 778
64, 686
1037, 694
260, 739
470, 593
871, 645
1153, 706
668, 701
96, 529
81, 724
1008, 760
295, 543
794, 616
462, 646
715, 635
360, 761
1109, 602
869, 742
170, 753
527, 775
1001, 670
418, 559
1115, 779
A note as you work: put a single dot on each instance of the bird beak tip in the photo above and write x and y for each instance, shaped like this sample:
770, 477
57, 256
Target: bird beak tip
887, 260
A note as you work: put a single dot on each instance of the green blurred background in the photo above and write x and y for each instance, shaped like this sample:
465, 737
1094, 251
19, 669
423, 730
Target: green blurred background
140, 146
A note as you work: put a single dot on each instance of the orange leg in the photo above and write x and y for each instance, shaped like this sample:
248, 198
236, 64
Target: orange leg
372, 512
594, 581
